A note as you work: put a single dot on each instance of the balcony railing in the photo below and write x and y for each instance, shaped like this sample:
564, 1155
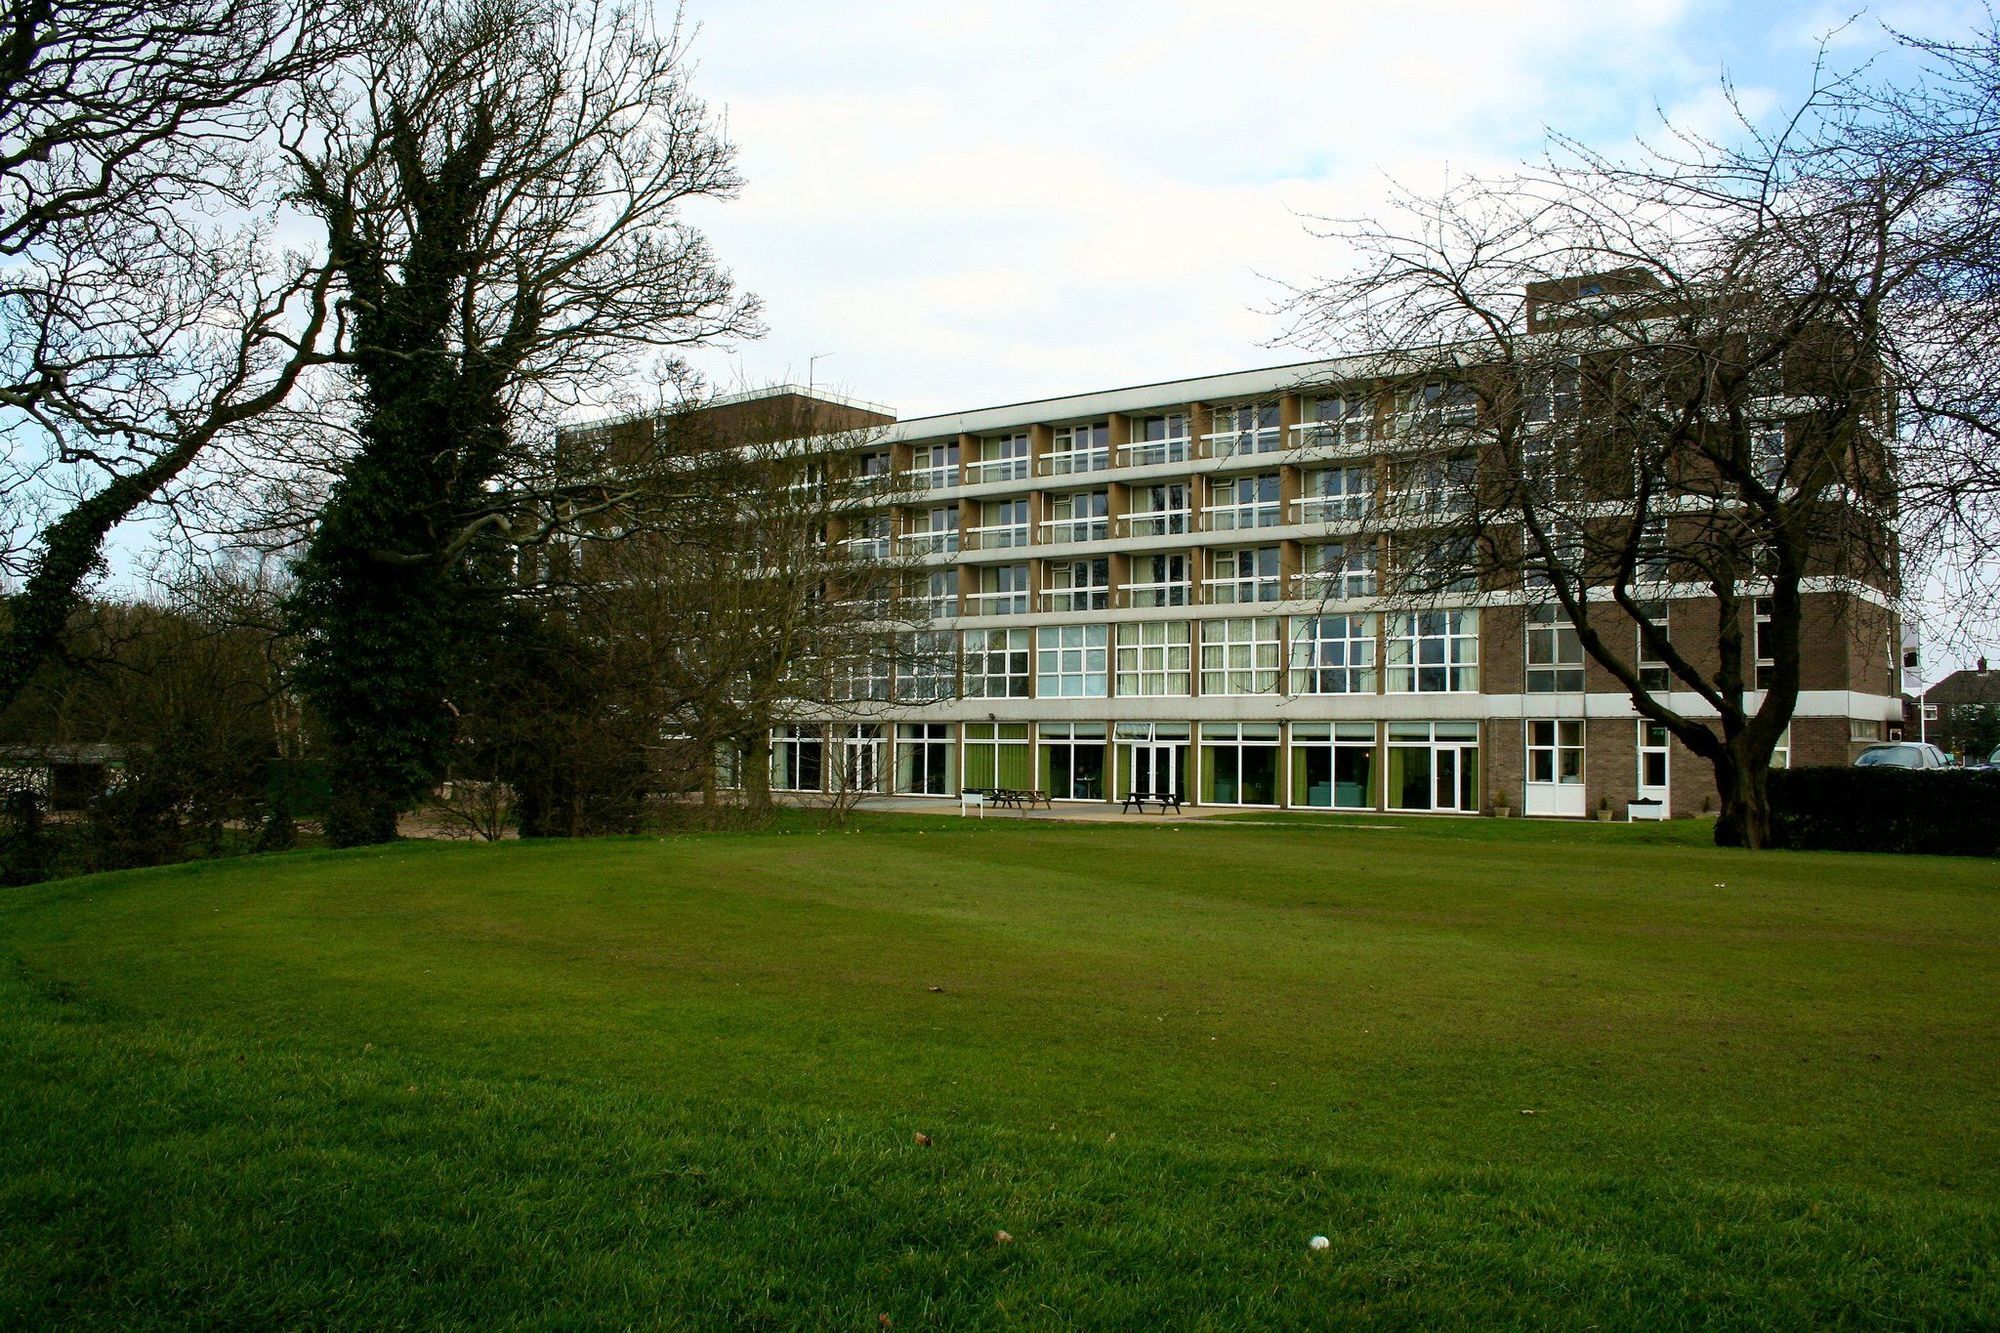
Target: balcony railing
930, 543
1229, 517
1333, 584
996, 536
1154, 522
1092, 529
1257, 588
996, 603
1064, 462
936, 478
1170, 592
1236, 443
998, 469
1091, 598
1145, 453
866, 548
1333, 508
1346, 437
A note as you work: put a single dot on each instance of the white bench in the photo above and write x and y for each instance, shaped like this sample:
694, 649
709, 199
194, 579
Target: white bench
968, 800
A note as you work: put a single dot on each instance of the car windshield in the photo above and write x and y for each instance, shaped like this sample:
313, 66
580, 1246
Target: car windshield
1889, 756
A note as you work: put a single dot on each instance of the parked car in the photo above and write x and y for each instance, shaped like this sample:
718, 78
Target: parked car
1903, 754
1992, 764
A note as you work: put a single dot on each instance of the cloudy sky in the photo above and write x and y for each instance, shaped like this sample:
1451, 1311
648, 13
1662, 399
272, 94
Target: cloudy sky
956, 205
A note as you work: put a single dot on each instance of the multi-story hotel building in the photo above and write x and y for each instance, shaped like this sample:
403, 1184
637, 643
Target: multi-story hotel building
1178, 587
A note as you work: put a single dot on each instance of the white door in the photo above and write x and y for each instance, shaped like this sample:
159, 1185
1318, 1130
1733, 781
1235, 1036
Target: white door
1655, 755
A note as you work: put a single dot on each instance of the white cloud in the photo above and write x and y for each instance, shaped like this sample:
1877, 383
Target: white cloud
980, 203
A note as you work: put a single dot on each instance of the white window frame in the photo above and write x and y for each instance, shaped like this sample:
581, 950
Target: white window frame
1010, 650
1154, 659
1334, 654
1242, 655
1071, 661
1433, 652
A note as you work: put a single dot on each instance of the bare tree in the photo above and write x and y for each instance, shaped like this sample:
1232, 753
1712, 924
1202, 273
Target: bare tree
773, 588
1621, 383
144, 314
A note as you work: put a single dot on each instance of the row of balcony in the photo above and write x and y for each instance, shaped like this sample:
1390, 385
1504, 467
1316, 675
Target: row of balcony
1315, 509
1325, 438
1309, 585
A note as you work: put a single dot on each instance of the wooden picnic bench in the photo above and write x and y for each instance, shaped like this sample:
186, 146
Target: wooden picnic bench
1138, 799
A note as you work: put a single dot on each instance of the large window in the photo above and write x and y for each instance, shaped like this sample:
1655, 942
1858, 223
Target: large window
1158, 511
1337, 570
1555, 752
1244, 502
1433, 766
1562, 556
1249, 574
1333, 765
1333, 655
927, 666
1436, 486
1077, 516
923, 759
1001, 458
865, 676
1072, 764
1158, 580
1338, 495
797, 758
1157, 439
935, 531
1339, 419
1002, 523
1070, 661
996, 664
1240, 656
938, 591
1003, 590
860, 758
935, 466
997, 755
1439, 562
1153, 658
1081, 449
1077, 585
1434, 652
1246, 428
1555, 653
1239, 763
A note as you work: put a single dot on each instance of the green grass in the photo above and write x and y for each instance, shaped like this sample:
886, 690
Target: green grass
676, 1081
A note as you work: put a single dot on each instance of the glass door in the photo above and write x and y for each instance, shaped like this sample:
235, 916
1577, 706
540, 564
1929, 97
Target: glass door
1156, 768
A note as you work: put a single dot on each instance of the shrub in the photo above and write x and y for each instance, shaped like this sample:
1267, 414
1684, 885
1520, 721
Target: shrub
1951, 813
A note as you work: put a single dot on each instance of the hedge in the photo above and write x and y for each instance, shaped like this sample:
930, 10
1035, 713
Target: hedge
1951, 812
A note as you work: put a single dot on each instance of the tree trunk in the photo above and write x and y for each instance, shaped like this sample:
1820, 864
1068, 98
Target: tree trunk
757, 774
1745, 818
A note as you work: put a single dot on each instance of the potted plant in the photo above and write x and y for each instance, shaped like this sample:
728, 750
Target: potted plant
1502, 804
1604, 809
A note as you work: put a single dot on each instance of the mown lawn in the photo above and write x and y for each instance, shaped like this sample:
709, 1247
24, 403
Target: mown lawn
1519, 1074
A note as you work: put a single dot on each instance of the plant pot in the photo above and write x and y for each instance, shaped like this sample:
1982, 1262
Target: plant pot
1604, 815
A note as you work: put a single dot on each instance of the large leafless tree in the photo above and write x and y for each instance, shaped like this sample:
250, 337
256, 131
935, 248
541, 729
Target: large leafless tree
144, 312
1625, 380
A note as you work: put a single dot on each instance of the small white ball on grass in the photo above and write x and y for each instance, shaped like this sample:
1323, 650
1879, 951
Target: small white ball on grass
1319, 1242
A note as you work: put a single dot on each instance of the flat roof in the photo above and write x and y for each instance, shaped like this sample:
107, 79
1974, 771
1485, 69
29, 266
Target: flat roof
1136, 397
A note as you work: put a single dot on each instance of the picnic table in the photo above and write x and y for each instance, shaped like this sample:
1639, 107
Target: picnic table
1138, 799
